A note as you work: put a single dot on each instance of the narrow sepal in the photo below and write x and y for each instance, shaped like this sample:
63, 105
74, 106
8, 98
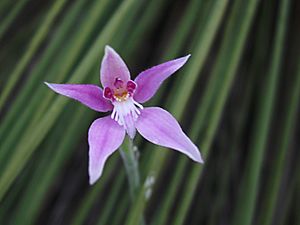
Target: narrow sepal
160, 127
113, 68
105, 137
88, 94
150, 80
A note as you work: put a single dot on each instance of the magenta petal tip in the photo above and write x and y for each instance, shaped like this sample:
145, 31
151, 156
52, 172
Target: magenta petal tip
108, 48
188, 56
185, 59
199, 159
51, 86
48, 84
92, 181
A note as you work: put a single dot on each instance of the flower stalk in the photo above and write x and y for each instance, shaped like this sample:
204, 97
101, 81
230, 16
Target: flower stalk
129, 154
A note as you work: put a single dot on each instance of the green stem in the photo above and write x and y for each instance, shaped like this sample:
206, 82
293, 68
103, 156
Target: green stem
129, 156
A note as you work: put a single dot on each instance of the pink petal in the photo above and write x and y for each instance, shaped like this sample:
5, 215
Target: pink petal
88, 94
113, 68
160, 127
105, 137
149, 80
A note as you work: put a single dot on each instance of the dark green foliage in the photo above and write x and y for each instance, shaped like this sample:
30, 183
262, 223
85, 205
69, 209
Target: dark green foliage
237, 98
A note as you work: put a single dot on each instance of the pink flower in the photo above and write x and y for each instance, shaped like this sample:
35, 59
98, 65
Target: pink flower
123, 97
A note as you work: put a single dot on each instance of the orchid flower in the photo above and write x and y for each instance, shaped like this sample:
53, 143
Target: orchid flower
124, 97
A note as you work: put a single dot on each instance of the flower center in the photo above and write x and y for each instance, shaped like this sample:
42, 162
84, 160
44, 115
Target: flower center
126, 109
120, 91
126, 112
120, 95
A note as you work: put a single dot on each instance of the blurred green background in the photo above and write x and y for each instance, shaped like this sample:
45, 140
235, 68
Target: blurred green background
237, 98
